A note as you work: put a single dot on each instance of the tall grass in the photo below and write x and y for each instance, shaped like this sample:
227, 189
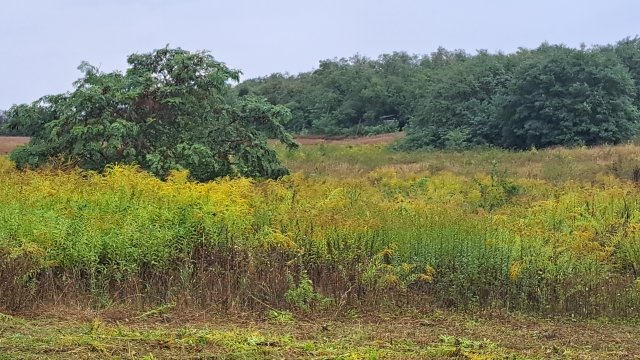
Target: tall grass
465, 235
554, 165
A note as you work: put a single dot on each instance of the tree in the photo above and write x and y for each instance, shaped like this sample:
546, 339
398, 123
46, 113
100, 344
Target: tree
3, 122
456, 105
28, 120
563, 96
351, 96
628, 50
171, 109
283, 89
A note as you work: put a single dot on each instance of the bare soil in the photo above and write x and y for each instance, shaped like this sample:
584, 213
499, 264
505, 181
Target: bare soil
344, 140
8, 143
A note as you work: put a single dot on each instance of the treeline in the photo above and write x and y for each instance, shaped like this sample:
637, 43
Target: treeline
551, 95
4, 120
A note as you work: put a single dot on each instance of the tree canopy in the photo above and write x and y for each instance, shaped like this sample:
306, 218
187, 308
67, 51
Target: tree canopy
562, 96
354, 96
171, 109
457, 103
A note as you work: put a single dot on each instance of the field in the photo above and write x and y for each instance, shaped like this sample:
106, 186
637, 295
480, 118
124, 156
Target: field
361, 253
8, 143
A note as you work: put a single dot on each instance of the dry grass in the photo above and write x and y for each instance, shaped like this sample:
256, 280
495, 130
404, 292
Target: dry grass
382, 139
431, 334
341, 160
8, 143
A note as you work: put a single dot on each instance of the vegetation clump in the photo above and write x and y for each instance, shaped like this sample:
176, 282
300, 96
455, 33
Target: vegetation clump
172, 109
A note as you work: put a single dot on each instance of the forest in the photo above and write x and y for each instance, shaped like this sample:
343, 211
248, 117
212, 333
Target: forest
548, 96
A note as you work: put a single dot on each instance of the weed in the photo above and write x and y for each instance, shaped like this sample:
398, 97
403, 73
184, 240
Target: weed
278, 316
303, 296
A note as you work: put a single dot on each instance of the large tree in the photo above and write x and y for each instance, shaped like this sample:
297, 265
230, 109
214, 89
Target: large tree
353, 96
171, 109
564, 96
456, 102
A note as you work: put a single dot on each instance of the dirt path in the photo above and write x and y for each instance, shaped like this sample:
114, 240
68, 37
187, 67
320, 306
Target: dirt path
364, 140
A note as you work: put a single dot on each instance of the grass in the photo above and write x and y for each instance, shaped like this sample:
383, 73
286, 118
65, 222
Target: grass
554, 165
356, 157
362, 253
313, 241
428, 335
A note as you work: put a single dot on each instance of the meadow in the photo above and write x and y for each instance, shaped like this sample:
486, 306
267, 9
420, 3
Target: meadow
354, 226
361, 253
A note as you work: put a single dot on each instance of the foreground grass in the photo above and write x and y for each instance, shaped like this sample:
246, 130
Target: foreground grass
431, 335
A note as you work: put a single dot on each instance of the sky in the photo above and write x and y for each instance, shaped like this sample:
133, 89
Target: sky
42, 41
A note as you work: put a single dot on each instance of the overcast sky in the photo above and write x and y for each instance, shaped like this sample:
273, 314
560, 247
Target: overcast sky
43, 41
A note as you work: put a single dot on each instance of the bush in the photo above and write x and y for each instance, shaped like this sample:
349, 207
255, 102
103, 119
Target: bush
171, 110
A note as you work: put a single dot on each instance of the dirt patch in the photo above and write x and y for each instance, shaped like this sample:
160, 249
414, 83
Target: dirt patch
8, 143
345, 140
